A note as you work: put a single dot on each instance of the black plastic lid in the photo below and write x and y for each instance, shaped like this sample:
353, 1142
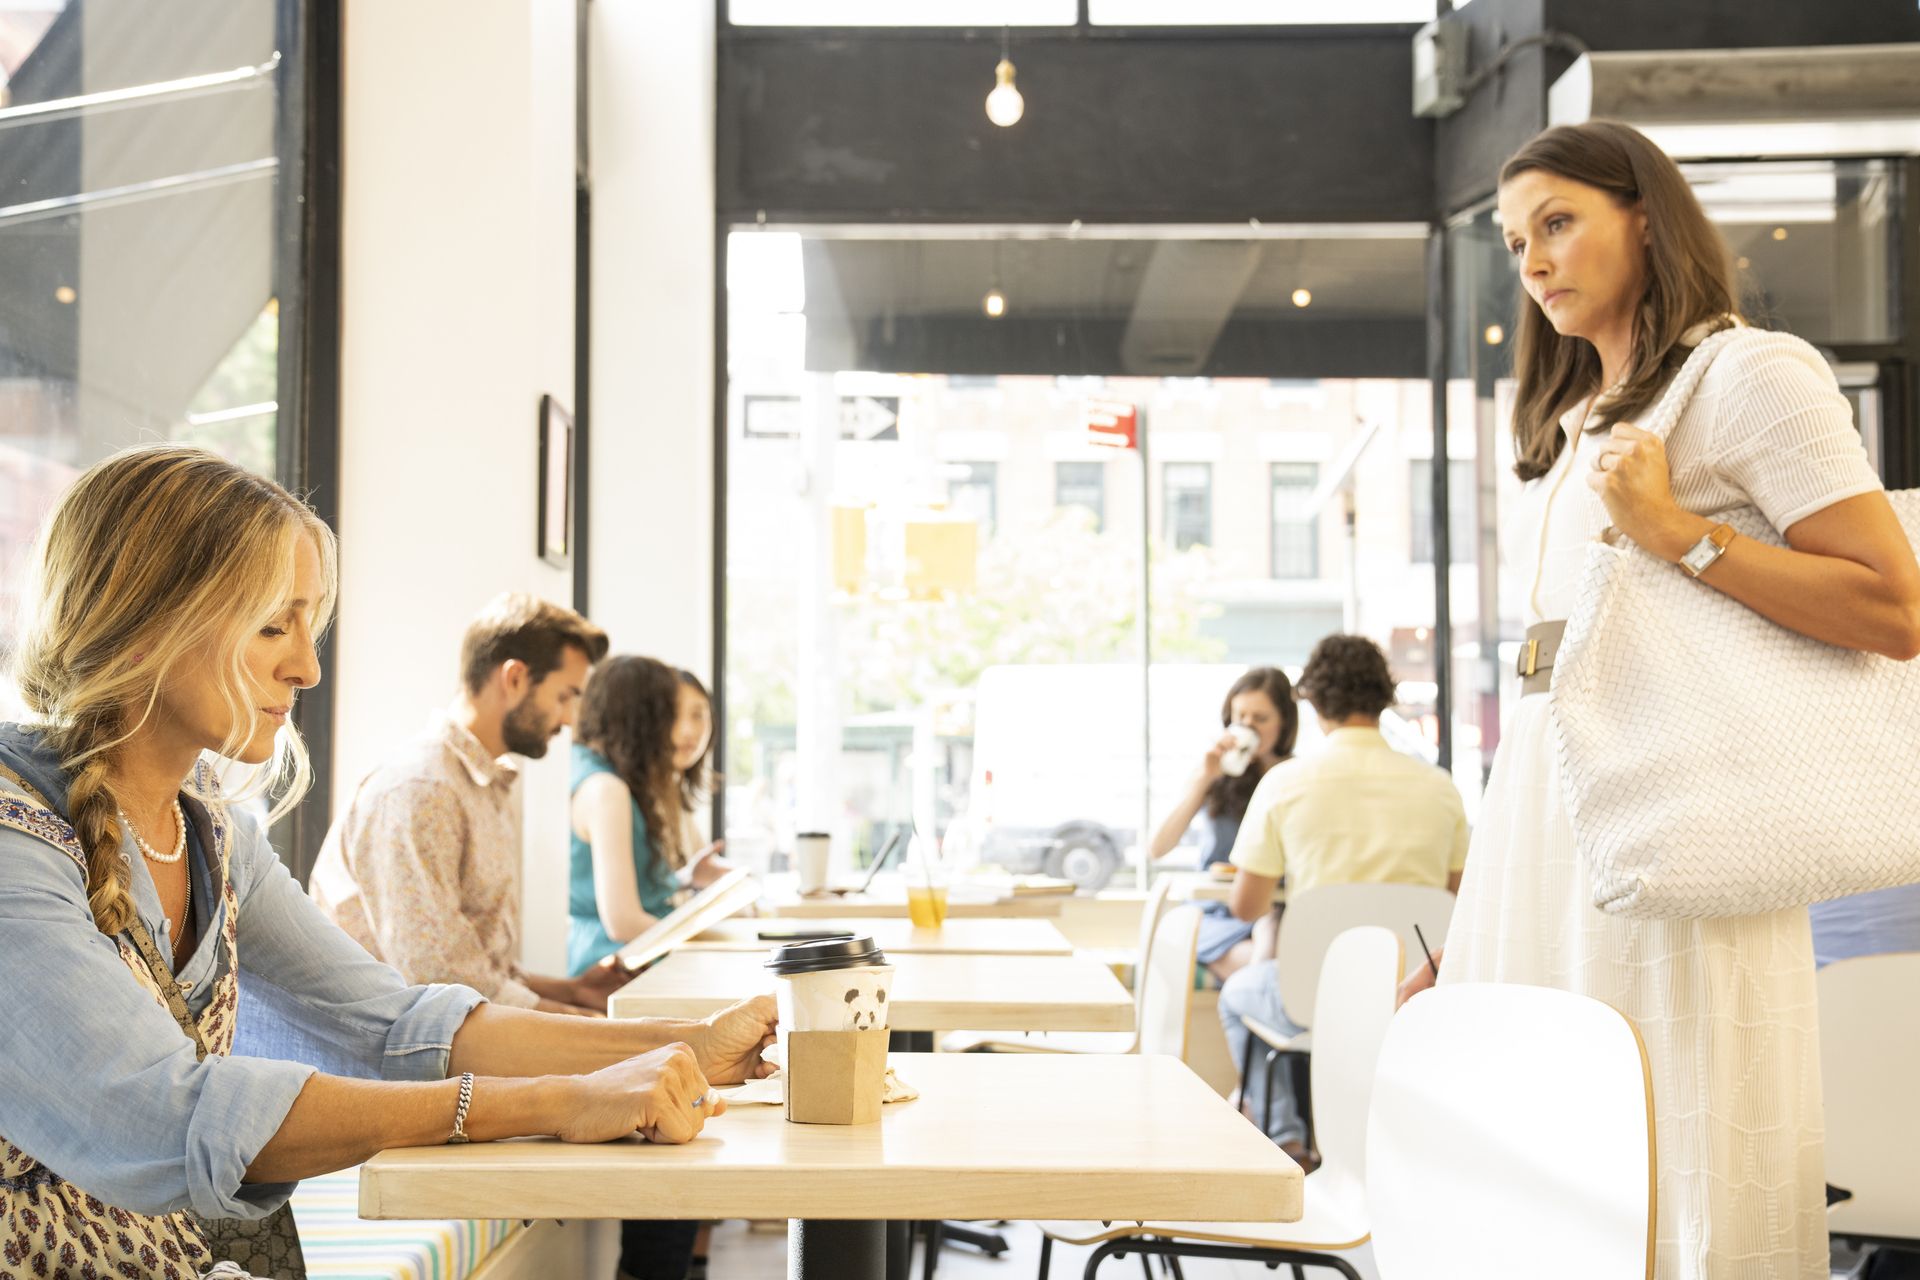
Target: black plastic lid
845, 951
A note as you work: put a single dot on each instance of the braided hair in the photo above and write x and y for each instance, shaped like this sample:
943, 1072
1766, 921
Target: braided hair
157, 565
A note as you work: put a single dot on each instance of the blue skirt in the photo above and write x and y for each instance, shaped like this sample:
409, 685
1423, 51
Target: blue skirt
1219, 932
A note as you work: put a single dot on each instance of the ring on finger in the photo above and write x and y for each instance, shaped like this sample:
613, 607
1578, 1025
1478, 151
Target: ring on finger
698, 1102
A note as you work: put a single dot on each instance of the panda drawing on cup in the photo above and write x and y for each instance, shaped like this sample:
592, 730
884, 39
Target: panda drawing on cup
864, 1014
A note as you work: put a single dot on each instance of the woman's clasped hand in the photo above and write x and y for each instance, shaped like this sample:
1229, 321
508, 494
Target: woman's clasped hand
660, 1095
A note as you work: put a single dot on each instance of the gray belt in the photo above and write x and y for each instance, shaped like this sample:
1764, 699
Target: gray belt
1537, 653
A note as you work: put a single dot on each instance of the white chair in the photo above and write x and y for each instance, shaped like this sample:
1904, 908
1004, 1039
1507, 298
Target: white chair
1151, 913
1358, 981
1511, 1136
1869, 1041
1312, 920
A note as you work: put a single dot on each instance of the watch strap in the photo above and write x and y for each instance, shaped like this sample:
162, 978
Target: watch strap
1701, 556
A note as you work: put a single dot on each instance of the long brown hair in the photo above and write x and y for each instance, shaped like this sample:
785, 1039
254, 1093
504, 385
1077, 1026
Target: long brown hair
152, 555
1690, 280
1229, 796
626, 714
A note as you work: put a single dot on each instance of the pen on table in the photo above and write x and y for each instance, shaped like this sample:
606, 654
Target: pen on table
1423, 947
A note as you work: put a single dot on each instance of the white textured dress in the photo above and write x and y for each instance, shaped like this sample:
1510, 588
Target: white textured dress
1725, 1006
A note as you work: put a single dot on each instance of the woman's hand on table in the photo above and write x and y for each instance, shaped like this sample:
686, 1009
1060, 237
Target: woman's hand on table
660, 1095
730, 1042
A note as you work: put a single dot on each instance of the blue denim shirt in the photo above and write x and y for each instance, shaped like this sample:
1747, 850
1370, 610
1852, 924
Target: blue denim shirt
99, 1084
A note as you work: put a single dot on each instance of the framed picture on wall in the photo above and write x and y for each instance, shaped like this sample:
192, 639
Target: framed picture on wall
556, 484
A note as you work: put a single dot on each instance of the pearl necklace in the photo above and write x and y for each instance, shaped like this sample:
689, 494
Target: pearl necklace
179, 842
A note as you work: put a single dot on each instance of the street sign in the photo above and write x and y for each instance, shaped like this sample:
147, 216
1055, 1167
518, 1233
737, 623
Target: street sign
1113, 425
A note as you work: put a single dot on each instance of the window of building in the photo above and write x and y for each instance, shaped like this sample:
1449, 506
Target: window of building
1296, 525
1462, 525
973, 490
1083, 485
1187, 515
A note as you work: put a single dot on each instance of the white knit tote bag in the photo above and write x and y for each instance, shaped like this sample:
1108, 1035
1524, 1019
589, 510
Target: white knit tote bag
1716, 763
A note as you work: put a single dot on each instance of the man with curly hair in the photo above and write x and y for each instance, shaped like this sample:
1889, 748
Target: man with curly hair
1354, 811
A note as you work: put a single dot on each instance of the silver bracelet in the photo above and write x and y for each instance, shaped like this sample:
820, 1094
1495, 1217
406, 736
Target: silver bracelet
460, 1112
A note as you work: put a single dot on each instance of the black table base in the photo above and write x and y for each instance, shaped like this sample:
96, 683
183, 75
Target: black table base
820, 1249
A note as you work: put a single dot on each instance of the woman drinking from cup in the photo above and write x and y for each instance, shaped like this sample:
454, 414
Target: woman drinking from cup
1262, 722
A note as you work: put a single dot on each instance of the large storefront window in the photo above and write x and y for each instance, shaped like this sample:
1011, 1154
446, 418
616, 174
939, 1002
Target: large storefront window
138, 187
1010, 465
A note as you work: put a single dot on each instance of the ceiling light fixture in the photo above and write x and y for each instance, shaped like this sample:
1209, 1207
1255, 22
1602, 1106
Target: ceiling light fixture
1779, 233
1302, 298
1495, 335
994, 304
65, 295
1005, 106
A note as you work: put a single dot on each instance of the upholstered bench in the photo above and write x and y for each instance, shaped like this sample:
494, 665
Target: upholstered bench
340, 1245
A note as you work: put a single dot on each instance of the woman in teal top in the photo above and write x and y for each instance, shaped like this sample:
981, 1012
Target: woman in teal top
639, 768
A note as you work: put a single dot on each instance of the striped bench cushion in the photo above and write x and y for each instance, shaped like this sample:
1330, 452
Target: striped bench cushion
340, 1245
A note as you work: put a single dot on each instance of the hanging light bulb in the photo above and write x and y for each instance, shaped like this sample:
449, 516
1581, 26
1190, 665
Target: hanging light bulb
1005, 106
994, 304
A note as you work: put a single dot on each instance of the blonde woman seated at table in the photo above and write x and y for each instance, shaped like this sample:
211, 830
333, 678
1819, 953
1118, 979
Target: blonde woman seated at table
171, 620
1261, 700
639, 771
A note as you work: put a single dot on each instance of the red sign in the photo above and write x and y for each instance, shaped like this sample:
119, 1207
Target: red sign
1113, 425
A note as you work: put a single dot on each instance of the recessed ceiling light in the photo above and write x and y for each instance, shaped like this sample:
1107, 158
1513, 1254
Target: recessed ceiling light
994, 304
65, 295
1779, 233
1495, 335
1302, 298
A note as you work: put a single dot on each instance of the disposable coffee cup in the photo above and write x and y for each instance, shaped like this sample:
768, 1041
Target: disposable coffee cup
833, 1028
1234, 761
810, 853
832, 984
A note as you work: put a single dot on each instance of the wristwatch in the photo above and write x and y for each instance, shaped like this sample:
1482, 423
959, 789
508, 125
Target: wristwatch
1702, 554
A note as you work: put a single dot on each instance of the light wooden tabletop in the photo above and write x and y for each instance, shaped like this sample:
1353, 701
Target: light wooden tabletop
1017, 1136
930, 992
959, 937
781, 897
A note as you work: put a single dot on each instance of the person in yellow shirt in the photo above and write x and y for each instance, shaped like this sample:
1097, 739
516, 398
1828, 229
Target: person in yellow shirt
1354, 811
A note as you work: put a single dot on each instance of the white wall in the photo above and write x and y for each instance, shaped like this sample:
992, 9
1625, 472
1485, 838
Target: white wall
457, 315
651, 77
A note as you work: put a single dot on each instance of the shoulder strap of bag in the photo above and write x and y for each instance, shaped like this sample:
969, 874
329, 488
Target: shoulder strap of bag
142, 940
1679, 394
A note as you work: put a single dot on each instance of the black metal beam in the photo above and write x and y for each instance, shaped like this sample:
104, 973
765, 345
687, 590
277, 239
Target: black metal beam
1062, 345
1194, 126
307, 284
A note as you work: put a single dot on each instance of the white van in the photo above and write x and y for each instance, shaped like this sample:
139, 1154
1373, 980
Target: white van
1056, 758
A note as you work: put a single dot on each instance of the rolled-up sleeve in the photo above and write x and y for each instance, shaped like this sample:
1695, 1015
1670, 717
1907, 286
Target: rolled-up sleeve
313, 994
99, 1083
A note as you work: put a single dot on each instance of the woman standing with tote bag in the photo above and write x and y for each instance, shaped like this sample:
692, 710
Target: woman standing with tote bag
1624, 277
